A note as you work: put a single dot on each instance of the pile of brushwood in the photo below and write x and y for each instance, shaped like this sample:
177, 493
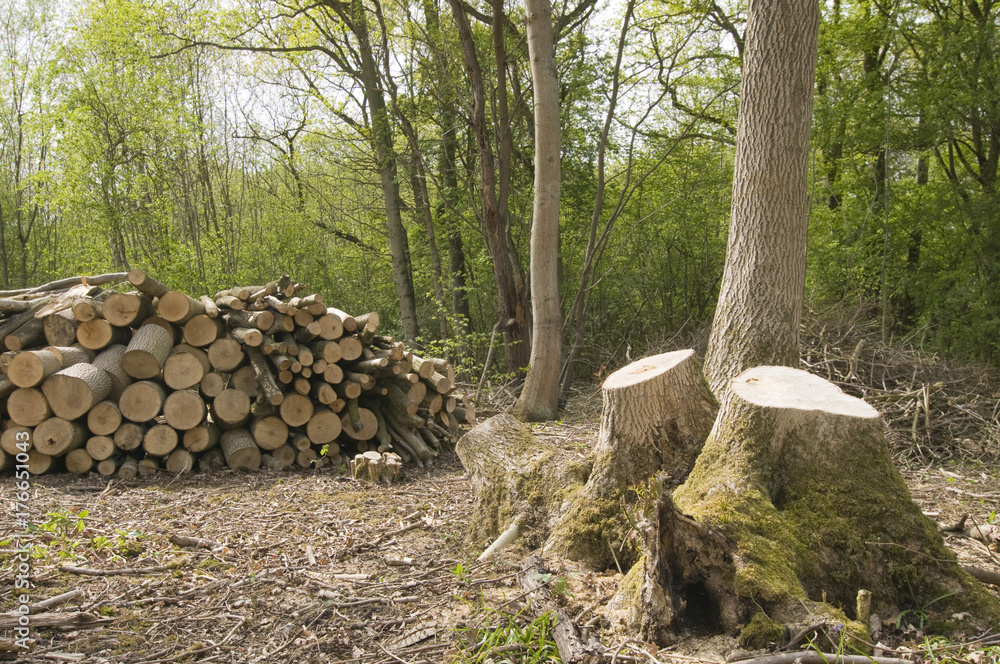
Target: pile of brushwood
934, 408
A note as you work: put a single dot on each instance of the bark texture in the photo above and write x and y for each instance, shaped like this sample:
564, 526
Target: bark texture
760, 302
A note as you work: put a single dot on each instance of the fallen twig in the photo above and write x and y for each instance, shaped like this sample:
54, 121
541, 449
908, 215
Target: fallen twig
125, 571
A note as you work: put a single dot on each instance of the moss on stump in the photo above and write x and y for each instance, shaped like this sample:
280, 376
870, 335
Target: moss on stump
797, 479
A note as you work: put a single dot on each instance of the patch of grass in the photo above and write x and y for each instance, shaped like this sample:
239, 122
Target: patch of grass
942, 651
507, 639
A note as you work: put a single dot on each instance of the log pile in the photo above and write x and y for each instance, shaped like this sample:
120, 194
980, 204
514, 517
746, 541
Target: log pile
140, 378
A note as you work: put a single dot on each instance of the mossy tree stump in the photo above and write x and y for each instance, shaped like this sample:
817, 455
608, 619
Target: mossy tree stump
657, 413
793, 506
515, 477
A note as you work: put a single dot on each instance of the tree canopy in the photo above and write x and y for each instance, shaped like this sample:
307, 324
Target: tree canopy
343, 143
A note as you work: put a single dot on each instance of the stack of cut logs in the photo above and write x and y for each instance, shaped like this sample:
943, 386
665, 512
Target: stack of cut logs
136, 379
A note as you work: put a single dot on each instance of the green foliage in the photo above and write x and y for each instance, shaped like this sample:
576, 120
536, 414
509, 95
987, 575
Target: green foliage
209, 167
508, 639
60, 533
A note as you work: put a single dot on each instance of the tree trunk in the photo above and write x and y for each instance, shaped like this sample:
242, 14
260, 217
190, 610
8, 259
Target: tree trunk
539, 399
779, 516
760, 302
385, 156
510, 288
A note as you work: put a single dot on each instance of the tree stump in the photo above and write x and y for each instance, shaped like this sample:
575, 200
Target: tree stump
516, 477
792, 508
657, 413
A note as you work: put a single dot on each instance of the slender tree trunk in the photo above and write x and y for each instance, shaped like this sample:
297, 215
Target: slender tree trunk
510, 290
402, 270
760, 303
449, 176
540, 398
421, 199
578, 312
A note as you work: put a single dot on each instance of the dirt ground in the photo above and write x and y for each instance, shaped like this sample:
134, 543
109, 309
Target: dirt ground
313, 566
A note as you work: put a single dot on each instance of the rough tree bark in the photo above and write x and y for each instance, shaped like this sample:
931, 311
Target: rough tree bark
760, 301
515, 477
385, 156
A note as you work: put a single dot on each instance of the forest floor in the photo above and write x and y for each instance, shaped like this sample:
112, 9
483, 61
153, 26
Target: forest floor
313, 566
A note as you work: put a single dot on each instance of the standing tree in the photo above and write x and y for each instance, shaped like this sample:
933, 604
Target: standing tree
494, 185
540, 397
760, 302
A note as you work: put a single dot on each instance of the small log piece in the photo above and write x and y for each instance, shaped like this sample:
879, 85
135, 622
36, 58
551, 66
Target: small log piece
180, 461
178, 307
203, 437
146, 284
100, 447
296, 410
129, 469
104, 418
127, 309
72, 391
98, 333
225, 354
57, 436
60, 328
79, 462
110, 360
183, 370
160, 440
324, 426
31, 333
269, 432
231, 409
147, 351
30, 368
240, 450
203, 329
142, 401
184, 409
128, 437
